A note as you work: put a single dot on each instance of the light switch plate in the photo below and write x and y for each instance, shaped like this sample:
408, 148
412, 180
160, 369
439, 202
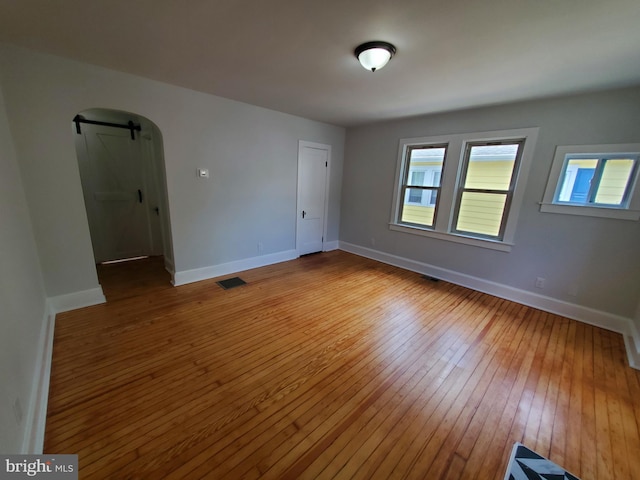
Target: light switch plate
203, 173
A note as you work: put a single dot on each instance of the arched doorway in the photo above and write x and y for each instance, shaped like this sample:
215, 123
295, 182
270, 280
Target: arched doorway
121, 164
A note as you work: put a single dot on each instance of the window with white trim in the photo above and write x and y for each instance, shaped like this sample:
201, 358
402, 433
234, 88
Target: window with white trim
421, 183
465, 188
486, 188
594, 180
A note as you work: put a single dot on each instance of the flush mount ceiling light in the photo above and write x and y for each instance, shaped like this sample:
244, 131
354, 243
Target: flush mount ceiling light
374, 55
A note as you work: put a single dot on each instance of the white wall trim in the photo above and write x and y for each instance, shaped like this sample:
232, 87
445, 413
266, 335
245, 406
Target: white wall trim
205, 273
328, 246
169, 267
598, 318
33, 441
632, 344
71, 301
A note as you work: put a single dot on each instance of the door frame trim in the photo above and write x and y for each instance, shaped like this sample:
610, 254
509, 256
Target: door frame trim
321, 146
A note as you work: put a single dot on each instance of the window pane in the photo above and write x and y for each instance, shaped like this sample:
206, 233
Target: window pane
425, 167
613, 183
433, 197
491, 166
576, 180
420, 215
481, 213
415, 195
416, 178
423, 163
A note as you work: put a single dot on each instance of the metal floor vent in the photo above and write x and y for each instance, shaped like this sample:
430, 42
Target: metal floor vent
231, 283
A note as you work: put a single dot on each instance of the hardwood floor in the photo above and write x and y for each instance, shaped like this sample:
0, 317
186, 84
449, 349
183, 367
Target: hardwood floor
335, 366
134, 278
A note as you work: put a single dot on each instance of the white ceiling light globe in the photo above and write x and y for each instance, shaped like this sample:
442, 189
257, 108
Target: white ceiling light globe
374, 59
374, 55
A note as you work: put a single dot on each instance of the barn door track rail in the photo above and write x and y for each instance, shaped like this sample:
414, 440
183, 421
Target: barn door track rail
132, 127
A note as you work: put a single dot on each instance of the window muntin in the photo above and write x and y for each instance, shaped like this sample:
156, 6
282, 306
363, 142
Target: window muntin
601, 181
489, 173
422, 173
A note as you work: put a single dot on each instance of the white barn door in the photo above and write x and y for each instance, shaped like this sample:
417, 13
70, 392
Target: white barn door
111, 170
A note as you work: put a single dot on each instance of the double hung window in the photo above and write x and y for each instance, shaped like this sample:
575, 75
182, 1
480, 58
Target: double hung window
421, 184
465, 188
486, 189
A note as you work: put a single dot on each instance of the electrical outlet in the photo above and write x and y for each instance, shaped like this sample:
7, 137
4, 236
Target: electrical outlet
373, 241
573, 290
540, 282
260, 247
17, 410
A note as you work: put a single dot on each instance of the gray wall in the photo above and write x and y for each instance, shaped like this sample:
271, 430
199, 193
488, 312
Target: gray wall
600, 257
22, 297
251, 153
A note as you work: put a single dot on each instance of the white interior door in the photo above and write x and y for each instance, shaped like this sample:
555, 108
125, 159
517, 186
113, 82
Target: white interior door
313, 165
111, 168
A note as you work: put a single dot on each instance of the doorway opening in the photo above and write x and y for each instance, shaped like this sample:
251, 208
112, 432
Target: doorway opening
121, 164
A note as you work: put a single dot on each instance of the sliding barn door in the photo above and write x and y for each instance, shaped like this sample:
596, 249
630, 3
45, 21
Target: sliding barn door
111, 168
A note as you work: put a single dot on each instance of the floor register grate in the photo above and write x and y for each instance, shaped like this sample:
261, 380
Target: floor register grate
231, 283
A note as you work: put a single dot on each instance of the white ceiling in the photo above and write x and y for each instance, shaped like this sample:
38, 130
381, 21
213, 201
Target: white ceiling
296, 56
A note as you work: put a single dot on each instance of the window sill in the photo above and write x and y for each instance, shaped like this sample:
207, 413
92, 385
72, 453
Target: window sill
602, 212
453, 237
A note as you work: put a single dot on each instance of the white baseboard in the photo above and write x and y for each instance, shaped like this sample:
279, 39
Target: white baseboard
33, 442
205, 273
598, 318
329, 246
632, 342
71, 301
169, 266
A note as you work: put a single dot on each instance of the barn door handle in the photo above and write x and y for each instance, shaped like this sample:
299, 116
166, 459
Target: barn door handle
303, 213
139, 195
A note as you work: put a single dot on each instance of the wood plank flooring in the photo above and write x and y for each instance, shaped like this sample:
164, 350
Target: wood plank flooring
333, 366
